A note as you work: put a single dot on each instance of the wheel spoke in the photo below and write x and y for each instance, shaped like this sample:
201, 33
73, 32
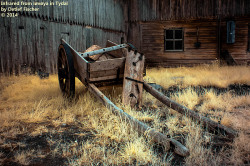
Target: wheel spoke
67, 86
61, 73
61, 60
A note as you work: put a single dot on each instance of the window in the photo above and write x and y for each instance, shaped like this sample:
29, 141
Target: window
174, 39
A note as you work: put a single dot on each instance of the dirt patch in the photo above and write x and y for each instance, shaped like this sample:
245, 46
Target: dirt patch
241, 118
40, 149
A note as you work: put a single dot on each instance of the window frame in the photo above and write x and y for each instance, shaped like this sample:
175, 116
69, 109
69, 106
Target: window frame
173, 40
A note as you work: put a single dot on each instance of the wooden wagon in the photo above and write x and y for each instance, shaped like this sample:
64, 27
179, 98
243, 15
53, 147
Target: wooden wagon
118, 64
101, 66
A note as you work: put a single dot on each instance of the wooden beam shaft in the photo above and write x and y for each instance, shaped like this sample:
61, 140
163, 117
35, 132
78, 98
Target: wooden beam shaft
188, 112
132, 91
140, 127
103, 50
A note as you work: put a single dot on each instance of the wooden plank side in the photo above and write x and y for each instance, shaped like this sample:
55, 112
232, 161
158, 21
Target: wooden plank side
104, 73
132, 90
106, 78
80, 67
183, 57
109, 64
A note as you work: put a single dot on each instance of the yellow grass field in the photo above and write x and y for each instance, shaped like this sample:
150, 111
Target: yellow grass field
40, 127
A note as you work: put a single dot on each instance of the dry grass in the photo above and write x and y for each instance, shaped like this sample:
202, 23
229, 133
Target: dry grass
38, 106
34, 115
189, 98
23, 157
204, 75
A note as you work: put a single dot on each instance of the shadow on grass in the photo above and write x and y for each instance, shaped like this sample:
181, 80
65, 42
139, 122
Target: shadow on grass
42, 147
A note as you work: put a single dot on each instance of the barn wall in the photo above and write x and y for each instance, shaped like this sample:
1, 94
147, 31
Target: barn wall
152, 43
98, 13
162, 10
32, 39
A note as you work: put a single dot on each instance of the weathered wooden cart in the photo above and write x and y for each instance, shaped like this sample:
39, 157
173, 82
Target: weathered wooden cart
121, 64
101, 66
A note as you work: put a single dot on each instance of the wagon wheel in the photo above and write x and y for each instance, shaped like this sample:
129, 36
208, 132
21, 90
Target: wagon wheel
66, 71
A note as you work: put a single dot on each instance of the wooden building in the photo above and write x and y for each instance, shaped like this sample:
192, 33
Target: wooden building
168, 32
187, 32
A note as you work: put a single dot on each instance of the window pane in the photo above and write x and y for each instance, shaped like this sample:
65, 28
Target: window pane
169, 45
178, 45
169, 34
178, 34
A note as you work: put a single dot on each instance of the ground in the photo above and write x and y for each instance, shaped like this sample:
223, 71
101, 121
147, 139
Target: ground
40, 127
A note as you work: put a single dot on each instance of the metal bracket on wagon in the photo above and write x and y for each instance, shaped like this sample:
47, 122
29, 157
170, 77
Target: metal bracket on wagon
131, 79
132, 47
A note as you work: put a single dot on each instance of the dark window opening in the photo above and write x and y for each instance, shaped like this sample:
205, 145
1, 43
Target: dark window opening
230, 32
174, 39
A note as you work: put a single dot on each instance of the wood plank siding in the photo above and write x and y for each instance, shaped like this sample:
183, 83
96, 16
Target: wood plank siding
239, 50
148, 19
32, 38
162, 10
152, 43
